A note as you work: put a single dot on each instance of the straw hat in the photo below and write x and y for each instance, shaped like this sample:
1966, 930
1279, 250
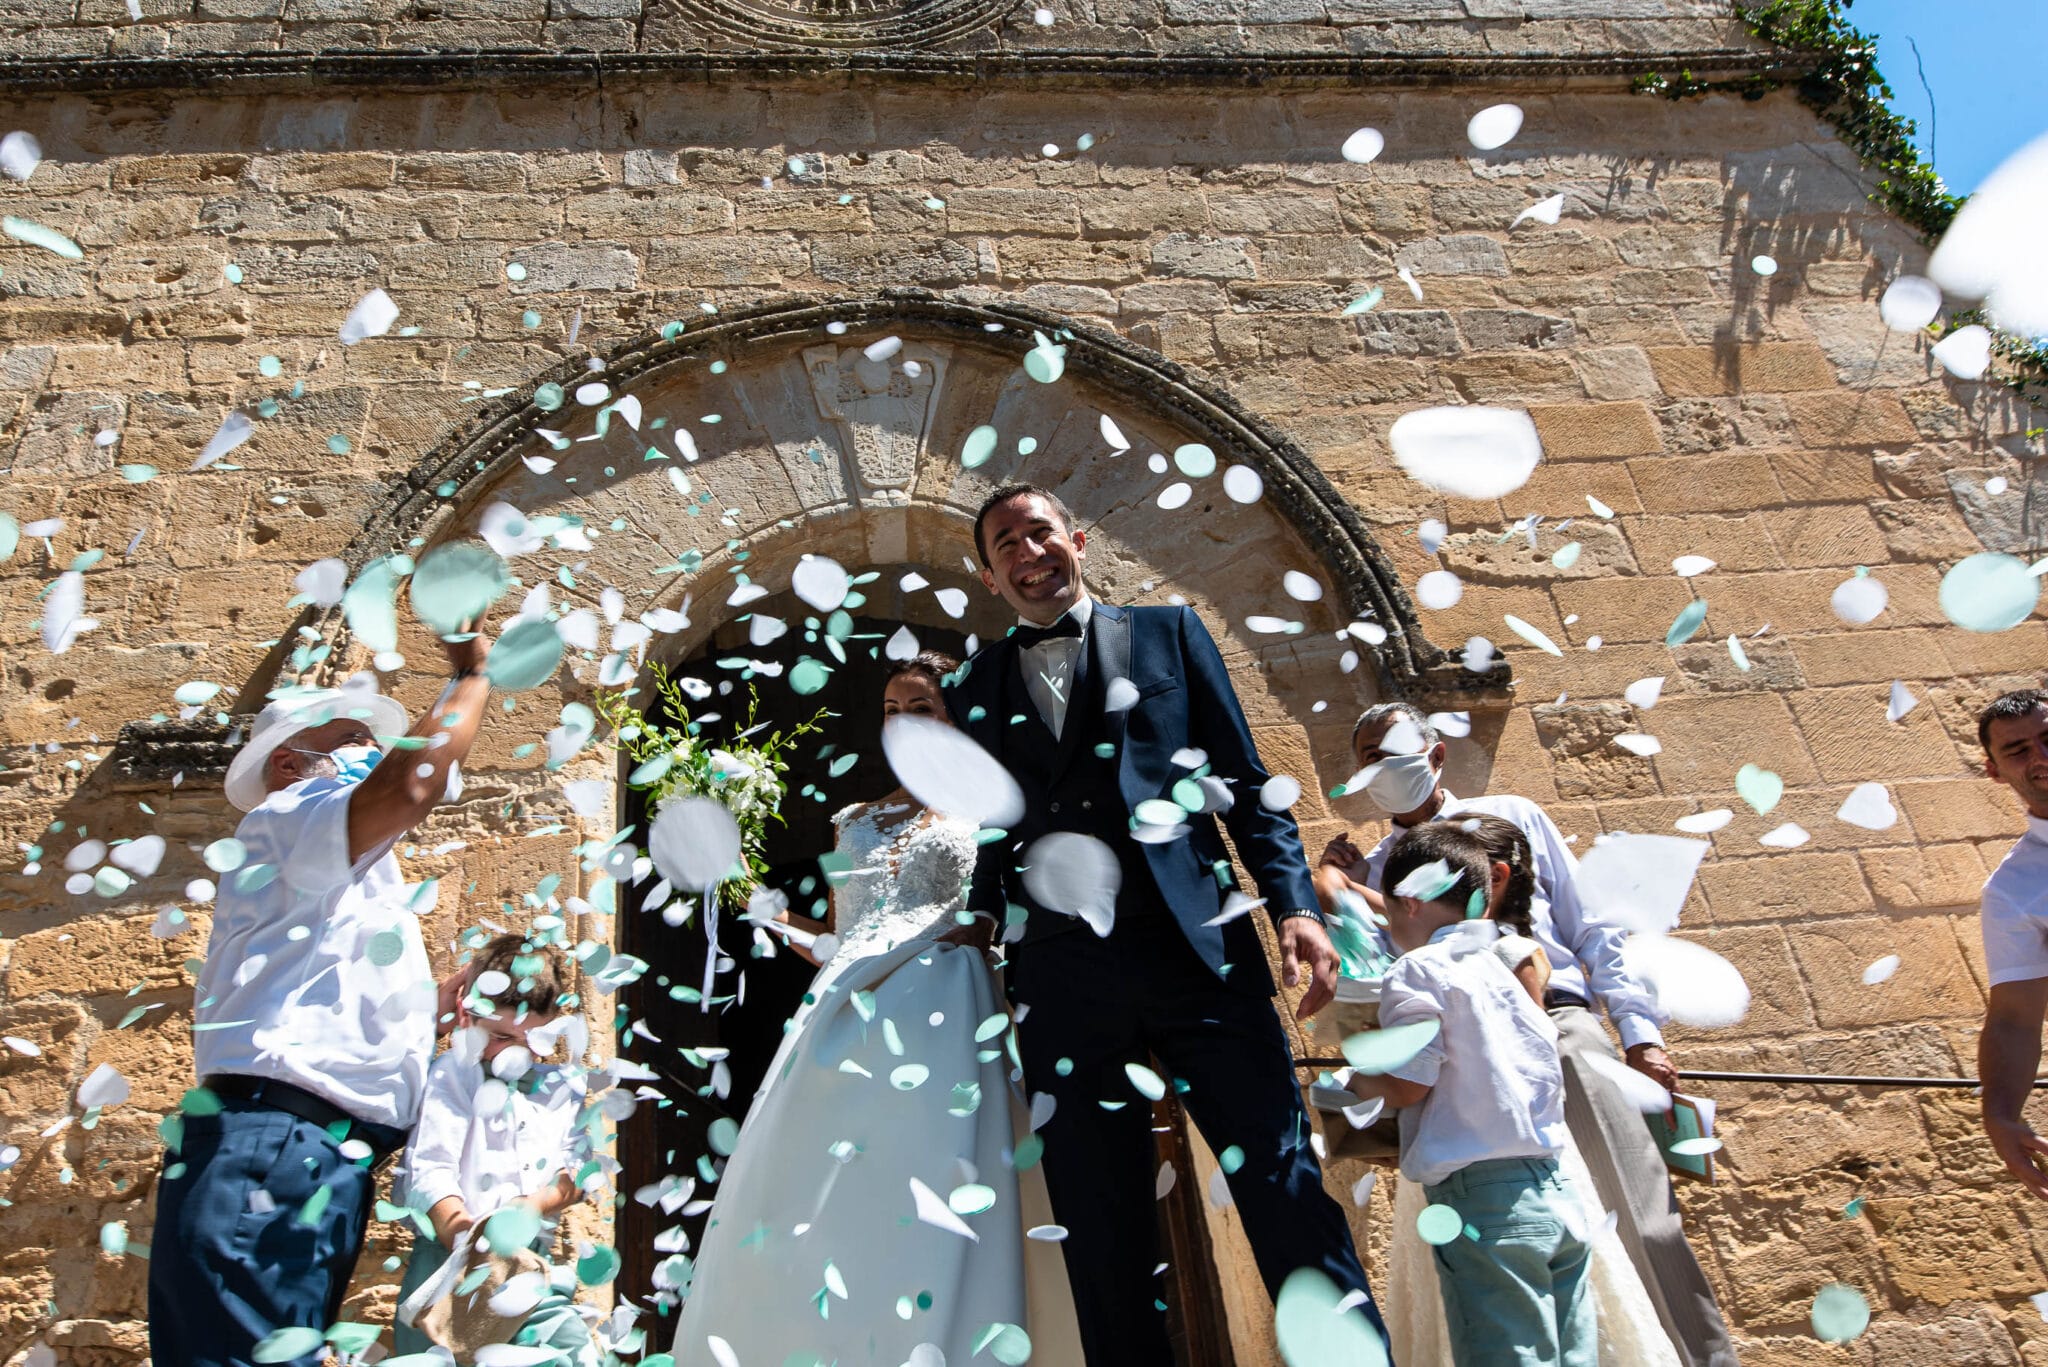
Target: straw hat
302, 710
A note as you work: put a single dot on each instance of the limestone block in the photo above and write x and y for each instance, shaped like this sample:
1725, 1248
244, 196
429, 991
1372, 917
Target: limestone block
92, 954
1512, 329
1732, 543
1510, 377
1093, 263
1616, 372
1724, 482
1829, 534
1213, 258
1483, 558
59, 430
1825, 476
1927, 876
504, 171
1758, 367
1787, 1140
1585, 762
1957, 1246
1456, 254
1593, 430
555, 266
1710, 667
2014, 653
1778, 1002
669, 213
1408, 332
33, 1087
1141, 212
928, 261
1850, 739
1708, 738
1046, 212
1335, 258
1871, 655
1622, 610
1794, 887
1863, 417
1932, 981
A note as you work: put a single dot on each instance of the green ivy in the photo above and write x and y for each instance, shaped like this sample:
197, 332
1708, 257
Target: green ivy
1844, 86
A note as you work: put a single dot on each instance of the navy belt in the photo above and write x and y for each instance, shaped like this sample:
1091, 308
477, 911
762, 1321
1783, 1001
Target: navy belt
1553, 999
384, 1140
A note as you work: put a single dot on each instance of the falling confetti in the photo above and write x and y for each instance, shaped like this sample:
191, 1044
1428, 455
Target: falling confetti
36, 235
372, 316
1989, 592
1909, 303
20, 154
1469, 450
1494, 126
1363, 147
1840, 1313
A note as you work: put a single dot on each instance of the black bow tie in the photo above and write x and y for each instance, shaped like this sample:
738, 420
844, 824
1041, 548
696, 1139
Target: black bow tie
1027, 637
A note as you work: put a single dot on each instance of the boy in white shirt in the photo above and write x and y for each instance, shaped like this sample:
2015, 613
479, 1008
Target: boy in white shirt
1483, 1114
498, 1136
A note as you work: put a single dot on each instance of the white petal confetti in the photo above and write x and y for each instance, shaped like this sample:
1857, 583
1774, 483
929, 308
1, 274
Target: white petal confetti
933, 1210
821, 582
944, 769
1300, 587
1881, 970
1075, 875
1697, 986
1113, 434
1789, 836
1992, 248
1469, 450
372, 316
1640, 745
1494, 126
1639, 882
1644, 692
695, 842
1966, 352
1532, 635
1363, 146
235, 429
1900, 703
102, 1087
1543, 211
1859, 600
1869, 806
1439, 589
1686, 566
20, 154
1243, 484
1909, 303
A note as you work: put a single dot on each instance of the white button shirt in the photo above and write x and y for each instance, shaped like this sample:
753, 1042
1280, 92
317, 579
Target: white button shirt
315, 973
1585, 951
1049, 667
1496, 1088
2015, 915
487, 1141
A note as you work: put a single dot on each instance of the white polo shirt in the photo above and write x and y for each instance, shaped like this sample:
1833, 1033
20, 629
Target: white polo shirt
1585, 952
315, 972
488, 1141
2015, 915
1496, 1087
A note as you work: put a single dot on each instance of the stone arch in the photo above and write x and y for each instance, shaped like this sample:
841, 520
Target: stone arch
815, 450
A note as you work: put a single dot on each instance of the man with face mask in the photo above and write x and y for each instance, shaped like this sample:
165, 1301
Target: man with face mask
1401, 759
315, 1019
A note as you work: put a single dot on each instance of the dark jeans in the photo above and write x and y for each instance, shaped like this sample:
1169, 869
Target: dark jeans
223, 1275
1105, 1003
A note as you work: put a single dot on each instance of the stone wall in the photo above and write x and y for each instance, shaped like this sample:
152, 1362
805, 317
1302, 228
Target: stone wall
1767, 422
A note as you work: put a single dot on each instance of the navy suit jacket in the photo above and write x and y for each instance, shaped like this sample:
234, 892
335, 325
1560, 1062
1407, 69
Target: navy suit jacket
1184, 700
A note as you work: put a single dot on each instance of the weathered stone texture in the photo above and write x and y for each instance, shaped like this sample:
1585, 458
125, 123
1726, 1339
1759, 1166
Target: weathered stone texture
1227, 234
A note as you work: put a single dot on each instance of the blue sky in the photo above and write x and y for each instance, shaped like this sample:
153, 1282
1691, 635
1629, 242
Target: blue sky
1984, 63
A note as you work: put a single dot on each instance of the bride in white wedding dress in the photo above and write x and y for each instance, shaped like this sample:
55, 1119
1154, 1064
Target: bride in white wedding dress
871, 1213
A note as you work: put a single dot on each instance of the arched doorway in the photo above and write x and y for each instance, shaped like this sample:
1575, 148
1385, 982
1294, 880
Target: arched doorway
720, 452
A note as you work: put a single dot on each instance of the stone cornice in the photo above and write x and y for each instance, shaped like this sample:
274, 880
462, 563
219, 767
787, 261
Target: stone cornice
263, 72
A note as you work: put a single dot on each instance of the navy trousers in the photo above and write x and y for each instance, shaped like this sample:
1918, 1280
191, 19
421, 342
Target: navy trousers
1099, 1004
225, 1270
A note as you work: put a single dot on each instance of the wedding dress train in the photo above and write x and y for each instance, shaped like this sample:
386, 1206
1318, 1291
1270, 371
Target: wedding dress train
871, 1213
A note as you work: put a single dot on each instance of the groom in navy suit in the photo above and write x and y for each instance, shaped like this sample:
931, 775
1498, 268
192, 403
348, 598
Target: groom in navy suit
1094, 709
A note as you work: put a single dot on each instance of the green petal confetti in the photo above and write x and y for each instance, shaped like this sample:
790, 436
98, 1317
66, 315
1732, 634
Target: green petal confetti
1365, 303
1687, 622
371, 603
1565, 556
547, 397
1195, 460
909, 1077
511, 1228
456, 584
1989, 592
385, 948
282, 1345
315, 1207
1759, 787
971, 1199
1006, 1343
138, 474
1839, 1313
195, 693
114, 1238
36, 235
1438, 1224
225, 855
1374, 1052
1045, 363
1694, 1148
723, 1136
1315, 1327
990, 1028
808, 676
598, 1266
1230, 1160
979, 446
526, 656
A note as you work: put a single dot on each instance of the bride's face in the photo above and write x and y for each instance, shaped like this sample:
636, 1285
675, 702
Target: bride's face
914, 694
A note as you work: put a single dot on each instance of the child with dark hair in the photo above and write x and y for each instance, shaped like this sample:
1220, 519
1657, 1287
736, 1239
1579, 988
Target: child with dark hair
1482, 1124
499, 1136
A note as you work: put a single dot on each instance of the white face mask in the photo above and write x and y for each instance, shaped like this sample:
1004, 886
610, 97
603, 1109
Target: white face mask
1399, 783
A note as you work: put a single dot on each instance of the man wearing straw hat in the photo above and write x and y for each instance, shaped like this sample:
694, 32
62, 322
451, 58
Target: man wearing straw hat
315, 1020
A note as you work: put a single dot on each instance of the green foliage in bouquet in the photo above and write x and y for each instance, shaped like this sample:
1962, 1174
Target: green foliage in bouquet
673, 758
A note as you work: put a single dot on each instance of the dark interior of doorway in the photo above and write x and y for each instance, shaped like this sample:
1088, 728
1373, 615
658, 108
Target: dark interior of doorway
663, 1139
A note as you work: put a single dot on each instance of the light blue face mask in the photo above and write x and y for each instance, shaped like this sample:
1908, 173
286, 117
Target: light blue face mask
352, 763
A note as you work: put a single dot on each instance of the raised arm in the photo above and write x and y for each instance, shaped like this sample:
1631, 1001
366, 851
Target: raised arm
1594, 942
408, 781
1268, 842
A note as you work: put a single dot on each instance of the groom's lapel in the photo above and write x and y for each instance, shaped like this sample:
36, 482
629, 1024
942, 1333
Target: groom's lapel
1110, 644
985, 691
